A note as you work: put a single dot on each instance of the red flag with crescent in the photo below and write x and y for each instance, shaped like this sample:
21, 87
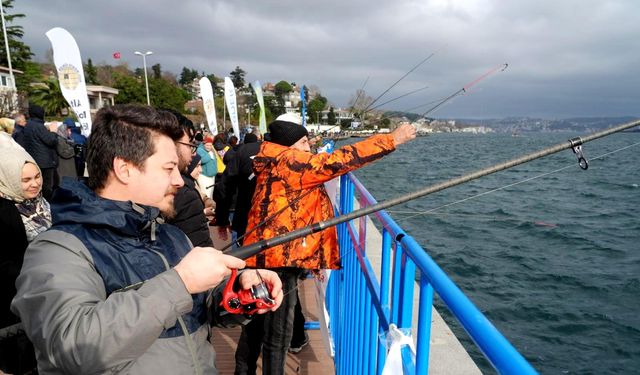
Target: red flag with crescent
116, 55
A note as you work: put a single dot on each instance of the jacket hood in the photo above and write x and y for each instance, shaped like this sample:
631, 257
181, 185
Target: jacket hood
268, 156
74, 203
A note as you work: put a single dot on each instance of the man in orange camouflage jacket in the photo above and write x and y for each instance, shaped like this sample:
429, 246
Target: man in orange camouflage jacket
289, 195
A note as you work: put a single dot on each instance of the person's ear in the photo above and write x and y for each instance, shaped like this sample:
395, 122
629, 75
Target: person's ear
122, 170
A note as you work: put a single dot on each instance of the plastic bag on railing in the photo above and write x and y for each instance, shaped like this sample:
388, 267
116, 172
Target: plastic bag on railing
395, 339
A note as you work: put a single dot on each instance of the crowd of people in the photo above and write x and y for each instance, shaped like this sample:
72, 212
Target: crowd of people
110, 265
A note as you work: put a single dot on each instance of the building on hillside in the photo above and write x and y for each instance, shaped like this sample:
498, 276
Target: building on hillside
341, 114
8, 93
5, 78
268, 89
194, 106
100, 96
292, 100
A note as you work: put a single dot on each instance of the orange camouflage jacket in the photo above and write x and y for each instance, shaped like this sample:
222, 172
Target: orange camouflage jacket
283, 176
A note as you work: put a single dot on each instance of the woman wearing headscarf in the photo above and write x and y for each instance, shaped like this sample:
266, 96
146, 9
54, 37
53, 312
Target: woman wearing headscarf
24, 214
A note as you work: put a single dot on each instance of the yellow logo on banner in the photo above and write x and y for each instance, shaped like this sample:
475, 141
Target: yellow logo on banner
69, 76
208, 106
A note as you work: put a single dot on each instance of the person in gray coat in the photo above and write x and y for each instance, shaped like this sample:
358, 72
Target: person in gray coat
66, 153
109, 288
41, 144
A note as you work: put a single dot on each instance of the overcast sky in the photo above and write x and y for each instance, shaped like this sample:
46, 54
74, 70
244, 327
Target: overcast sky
566, 58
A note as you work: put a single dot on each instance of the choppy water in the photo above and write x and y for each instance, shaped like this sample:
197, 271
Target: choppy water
553, 262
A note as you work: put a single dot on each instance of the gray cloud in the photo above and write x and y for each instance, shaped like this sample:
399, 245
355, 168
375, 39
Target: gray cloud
569, 58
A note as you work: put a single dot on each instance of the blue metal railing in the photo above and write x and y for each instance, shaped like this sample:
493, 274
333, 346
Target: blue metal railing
361, 309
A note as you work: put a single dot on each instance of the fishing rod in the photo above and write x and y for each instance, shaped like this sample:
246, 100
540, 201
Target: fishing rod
574, 143
396, 98
501, 67
398, 81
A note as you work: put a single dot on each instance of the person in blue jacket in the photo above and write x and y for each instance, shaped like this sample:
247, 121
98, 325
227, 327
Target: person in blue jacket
209, 166
79, 145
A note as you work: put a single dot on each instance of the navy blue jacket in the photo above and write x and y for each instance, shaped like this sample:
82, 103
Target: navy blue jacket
40, 143
123, 239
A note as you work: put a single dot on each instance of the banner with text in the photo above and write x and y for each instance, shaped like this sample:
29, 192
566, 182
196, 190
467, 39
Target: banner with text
257, 87
206, 92
230, 99
66, 57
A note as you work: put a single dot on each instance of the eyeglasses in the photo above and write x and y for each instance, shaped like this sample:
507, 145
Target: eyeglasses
193, 147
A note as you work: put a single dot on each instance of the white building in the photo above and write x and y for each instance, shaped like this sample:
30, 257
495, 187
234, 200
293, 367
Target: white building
100, 96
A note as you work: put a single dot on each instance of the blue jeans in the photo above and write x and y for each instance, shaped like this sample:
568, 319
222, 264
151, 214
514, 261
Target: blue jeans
270, 332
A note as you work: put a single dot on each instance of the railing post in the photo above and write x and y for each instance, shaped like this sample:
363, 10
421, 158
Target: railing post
395, 285
406, 294
385, 270
424, 325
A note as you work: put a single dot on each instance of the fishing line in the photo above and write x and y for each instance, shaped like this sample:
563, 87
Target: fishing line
505, 186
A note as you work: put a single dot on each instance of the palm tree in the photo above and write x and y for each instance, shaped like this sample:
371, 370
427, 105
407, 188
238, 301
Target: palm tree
49, 96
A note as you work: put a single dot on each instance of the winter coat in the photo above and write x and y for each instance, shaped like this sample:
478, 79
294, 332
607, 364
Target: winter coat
241, 179
40, 143
190, 217
95, 295
66, 158
18, 135
14, 243
209, 164
285, 177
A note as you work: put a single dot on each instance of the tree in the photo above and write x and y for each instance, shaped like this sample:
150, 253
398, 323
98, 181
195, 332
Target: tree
91, 73
217, 90
359, 102
331, 117
274, 105
187, 76
130, 90
20, 52
282, 88
30, 73
237, 77
157, 71
107, 74
315, 107
49, 96
165, 95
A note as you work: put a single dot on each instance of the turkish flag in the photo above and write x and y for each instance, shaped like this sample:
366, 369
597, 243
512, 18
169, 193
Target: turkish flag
116, 55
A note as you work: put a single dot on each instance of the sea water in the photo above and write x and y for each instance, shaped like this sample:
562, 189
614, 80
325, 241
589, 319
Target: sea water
549, 252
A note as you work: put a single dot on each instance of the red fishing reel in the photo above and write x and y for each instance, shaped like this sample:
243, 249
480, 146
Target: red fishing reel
246, 301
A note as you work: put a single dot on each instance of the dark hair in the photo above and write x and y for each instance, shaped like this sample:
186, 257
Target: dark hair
220, 137
185, 123
233, 140
125, 131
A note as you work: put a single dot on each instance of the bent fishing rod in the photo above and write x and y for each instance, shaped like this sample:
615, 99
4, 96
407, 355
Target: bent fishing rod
574, 143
